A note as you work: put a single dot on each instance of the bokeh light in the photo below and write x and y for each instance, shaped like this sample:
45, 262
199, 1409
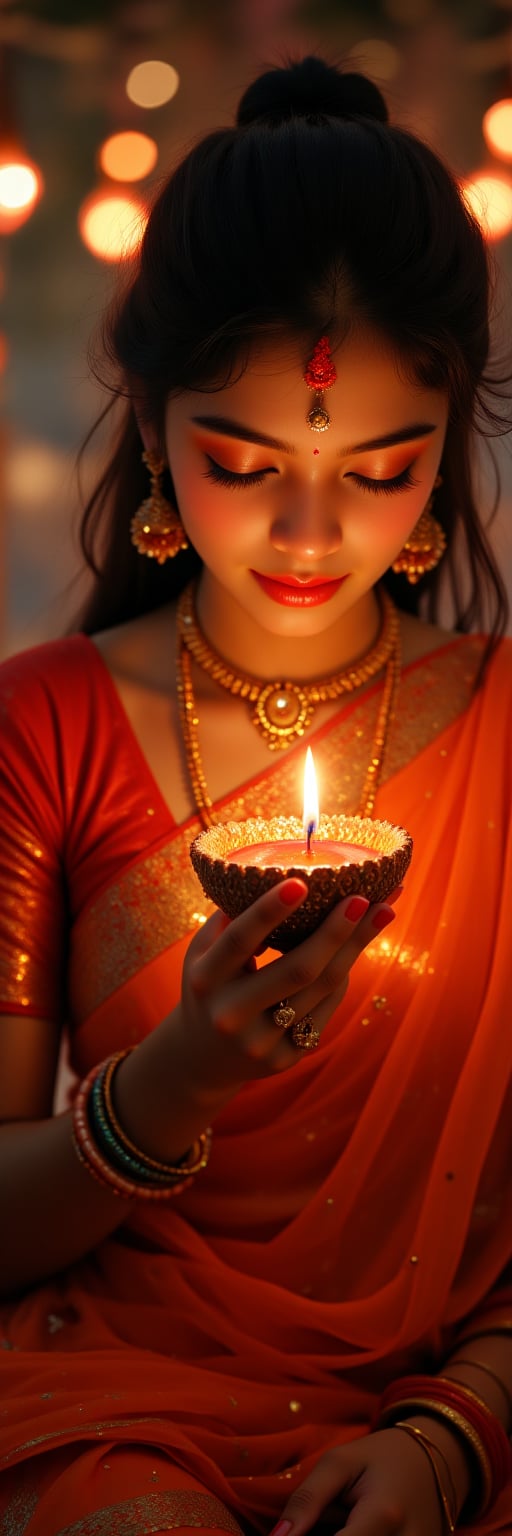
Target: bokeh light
128, 156
4, 352
112, 224
490, 199
152, 83
497, 128
21, 186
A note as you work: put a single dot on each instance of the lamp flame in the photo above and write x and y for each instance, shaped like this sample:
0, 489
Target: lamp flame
311, 816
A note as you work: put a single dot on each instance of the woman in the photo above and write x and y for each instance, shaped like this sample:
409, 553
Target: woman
283, 1189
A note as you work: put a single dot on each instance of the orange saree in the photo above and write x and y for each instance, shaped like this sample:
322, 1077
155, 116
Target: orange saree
355, 1212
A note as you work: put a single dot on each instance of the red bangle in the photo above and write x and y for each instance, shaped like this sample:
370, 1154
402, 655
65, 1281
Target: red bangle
495, 1445
91, 1157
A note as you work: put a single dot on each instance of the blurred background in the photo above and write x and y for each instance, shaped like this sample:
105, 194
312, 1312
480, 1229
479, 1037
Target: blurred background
76, 77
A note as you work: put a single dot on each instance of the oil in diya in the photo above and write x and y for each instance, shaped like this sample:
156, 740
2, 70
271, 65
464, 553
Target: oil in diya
336, 856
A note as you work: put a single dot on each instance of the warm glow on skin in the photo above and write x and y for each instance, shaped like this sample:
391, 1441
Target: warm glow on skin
308, 515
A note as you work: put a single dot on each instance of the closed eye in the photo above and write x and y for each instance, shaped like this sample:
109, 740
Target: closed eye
228, 477
400, 482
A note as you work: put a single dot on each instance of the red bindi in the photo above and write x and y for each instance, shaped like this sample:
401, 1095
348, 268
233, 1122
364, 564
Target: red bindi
316, 450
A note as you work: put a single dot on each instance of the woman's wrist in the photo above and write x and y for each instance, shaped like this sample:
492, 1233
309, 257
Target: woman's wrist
452, 1448
156, 1100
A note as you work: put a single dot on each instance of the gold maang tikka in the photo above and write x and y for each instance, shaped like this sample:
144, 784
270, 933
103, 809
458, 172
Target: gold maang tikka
320, 373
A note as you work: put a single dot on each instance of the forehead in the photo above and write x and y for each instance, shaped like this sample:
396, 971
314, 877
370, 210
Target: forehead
373, 385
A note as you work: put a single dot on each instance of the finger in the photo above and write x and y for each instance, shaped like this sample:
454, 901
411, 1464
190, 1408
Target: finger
332, 1479
207, 933
300, 969
326, 995
242, 937
378, 917
340, 965
368, 1518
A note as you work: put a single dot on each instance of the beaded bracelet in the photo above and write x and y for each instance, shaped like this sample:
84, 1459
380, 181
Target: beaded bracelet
108, 1144
98, 1158
187, 1164
469, 1414
449, 1505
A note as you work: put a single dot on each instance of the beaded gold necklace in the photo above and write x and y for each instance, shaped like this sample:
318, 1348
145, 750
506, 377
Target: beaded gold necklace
281, 724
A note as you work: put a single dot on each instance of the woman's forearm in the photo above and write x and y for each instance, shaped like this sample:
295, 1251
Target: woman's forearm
52, 1210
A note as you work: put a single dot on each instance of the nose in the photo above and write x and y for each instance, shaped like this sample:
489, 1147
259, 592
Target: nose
308, 527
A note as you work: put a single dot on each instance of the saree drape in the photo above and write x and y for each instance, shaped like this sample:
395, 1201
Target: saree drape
356, 1211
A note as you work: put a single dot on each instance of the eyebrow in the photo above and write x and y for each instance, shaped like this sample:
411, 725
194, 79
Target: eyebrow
228, 428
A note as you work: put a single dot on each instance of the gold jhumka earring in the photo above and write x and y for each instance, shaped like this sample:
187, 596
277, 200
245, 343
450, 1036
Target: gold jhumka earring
319, 375
156, 529
425, 546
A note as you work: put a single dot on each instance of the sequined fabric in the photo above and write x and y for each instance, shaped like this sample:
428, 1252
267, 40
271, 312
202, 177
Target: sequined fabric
158, 900
17, 1513
167, 1511
356, 1210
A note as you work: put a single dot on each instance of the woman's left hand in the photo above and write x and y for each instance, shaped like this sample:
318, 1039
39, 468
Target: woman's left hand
380, 1485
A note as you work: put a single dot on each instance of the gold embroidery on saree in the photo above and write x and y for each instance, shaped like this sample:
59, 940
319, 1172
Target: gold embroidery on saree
18, 1512
166, 1511
159, 900
83, 1431
29, 964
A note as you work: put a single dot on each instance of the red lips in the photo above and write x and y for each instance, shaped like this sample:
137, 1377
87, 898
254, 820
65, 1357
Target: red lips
298, 591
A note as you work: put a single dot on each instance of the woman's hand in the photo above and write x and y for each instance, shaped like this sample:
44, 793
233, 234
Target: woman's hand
380, 1485
226, 1012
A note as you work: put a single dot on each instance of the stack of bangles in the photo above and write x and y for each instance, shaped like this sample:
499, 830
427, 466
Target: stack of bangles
484, 1439
108, 1154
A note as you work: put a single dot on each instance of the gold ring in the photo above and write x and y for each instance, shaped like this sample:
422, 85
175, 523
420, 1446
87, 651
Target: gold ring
305, 1034
284, 1015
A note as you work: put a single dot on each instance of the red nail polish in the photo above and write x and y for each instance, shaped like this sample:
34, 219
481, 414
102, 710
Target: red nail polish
292, 891
356, 908
282, 1528
382, 917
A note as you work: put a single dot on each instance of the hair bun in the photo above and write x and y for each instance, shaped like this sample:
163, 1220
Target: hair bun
310, 88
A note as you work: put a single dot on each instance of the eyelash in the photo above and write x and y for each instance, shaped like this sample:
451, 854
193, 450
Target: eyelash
227, 477
401, 482
235, 482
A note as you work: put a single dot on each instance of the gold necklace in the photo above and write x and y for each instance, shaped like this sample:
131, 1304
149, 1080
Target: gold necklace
283, 710
189, 723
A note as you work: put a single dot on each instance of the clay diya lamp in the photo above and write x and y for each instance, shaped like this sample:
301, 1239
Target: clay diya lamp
336, 856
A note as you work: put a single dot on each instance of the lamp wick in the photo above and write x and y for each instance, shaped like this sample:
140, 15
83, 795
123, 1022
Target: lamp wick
310, 830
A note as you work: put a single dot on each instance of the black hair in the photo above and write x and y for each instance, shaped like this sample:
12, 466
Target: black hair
311, 215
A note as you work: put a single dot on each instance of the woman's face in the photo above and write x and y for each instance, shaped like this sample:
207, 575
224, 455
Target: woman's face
297, 526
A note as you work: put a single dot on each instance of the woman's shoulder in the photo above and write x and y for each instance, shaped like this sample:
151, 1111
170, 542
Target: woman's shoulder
422, 640
43, 662
48, 680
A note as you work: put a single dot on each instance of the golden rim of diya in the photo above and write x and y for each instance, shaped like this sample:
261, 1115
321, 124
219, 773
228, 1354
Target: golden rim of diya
233, 886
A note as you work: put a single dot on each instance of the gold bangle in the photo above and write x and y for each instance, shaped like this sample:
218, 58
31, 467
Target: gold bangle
442, 1411
431, 1450
199, 1151
479, 1366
